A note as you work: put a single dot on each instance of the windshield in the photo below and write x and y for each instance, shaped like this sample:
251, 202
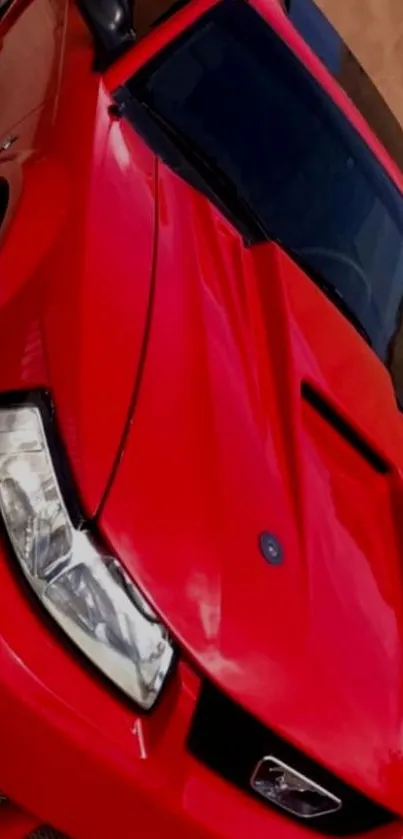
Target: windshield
237, 95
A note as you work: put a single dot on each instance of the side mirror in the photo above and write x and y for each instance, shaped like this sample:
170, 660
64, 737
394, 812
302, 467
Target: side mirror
111, 24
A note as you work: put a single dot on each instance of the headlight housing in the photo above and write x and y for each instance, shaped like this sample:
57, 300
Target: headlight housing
89, 594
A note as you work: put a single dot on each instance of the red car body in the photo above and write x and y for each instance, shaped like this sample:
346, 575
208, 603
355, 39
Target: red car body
181, 385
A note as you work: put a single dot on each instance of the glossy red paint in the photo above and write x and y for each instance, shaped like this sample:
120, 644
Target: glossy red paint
221, 445
95, 315
85, 213
223, 448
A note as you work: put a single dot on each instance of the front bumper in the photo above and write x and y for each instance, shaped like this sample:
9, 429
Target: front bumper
71, 754
75, 756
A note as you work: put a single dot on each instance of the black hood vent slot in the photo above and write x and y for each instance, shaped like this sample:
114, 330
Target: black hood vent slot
343, 428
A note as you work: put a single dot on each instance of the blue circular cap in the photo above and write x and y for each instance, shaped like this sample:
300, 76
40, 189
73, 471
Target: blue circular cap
270, 548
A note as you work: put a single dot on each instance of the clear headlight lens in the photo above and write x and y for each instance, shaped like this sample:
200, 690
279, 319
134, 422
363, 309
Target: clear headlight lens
89, 595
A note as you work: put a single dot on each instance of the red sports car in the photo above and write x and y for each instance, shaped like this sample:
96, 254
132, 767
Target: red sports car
201, 443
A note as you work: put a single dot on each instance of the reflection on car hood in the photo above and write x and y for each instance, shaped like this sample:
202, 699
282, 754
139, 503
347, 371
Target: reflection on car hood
262, 410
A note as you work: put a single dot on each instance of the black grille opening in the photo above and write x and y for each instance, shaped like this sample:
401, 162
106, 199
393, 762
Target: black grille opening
231, 742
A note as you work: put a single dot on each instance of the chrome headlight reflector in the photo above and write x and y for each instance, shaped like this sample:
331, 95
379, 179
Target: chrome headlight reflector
88, 594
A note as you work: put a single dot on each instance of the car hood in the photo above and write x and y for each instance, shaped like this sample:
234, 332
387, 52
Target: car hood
262, 411
97, 302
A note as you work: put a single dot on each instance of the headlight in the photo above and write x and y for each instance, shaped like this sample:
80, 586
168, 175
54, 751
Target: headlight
88, 594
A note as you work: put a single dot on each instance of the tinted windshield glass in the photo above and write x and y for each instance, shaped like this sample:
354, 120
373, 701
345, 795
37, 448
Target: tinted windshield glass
237, 94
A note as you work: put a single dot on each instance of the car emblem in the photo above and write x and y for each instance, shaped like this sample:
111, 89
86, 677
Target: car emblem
284, 786
270, 548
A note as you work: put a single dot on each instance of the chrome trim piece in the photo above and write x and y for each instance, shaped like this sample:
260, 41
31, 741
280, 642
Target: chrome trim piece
301, 784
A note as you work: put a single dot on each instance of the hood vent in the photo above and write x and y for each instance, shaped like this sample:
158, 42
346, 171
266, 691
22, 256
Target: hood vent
343, 428
244, 752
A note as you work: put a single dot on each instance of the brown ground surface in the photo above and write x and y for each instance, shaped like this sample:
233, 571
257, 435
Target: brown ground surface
373, 29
